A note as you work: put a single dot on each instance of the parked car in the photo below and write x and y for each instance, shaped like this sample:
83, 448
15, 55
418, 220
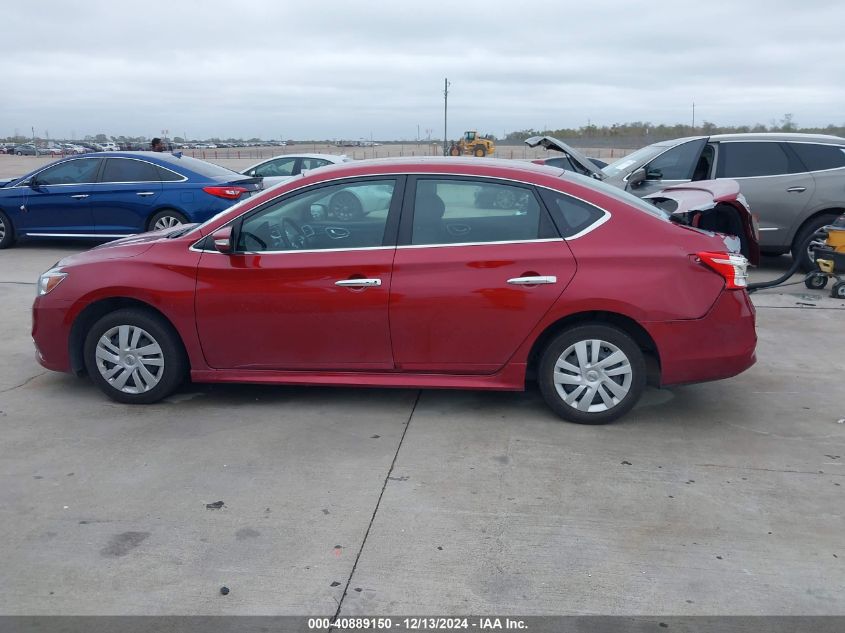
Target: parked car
793, 182
564, 162
282, 168
107, 146
583, 287
28, 149
109, 195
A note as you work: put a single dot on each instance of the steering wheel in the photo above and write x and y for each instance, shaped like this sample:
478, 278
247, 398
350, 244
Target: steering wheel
290, 235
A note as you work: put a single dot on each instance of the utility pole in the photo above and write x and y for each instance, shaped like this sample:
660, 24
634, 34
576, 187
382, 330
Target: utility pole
446, 85
693, 117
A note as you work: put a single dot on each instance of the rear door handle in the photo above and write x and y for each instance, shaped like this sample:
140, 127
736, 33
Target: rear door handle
145, 193
796, 189
358, 283
533, 281
79, 196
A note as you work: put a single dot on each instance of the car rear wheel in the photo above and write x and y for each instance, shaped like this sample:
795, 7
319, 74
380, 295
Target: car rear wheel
165, 220
134, 356
592, 374
809, 236
7, 232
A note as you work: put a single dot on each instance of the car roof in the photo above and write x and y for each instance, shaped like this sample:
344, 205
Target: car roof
778, 136
438, 164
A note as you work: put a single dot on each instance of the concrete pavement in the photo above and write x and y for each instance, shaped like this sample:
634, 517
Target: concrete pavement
722, 498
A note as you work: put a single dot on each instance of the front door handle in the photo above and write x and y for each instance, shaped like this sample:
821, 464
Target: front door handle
358, 283
533, 281
796, 189
79, 196
145, 193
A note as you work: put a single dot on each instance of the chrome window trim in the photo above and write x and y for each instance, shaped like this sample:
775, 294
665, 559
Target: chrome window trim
292, 251
497, 243
105, 235
396, 175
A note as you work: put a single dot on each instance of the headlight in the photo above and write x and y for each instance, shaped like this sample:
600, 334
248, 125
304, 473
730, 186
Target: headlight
49, 280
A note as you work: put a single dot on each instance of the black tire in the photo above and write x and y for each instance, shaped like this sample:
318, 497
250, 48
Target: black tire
837, 290
345, 206
18, 153
168, 217
454, 151
803, 238
7, 231
169, 375
815, 281
629, 387
480, 151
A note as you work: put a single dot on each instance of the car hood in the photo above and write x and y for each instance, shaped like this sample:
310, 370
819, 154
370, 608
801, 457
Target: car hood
124, 248
550, 142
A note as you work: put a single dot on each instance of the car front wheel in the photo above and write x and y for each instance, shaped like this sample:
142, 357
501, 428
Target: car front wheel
592, 374
134, 356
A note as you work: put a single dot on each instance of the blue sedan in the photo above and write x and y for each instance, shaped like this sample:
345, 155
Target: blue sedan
113, 194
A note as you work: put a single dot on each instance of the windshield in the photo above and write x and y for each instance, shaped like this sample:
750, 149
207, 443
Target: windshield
627, 163
201, 167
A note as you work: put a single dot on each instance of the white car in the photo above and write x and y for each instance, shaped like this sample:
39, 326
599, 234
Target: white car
107, 146
282, 168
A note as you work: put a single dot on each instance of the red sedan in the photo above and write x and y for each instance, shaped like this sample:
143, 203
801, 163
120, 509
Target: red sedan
455, 273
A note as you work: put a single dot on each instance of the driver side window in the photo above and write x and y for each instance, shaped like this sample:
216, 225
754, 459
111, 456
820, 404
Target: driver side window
273, 168
340, 216
677, 163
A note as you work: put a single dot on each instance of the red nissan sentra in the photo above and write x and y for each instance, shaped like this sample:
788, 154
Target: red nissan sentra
447, 272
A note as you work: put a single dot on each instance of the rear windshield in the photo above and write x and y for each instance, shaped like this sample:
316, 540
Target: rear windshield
201, 167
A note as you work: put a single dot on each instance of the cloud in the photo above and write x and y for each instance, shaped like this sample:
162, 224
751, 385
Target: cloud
347, 70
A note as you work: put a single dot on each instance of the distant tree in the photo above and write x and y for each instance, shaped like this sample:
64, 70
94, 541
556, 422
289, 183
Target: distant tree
100, 138
787, 124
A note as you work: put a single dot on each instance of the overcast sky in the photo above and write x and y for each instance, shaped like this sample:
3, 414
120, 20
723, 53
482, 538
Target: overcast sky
341, 69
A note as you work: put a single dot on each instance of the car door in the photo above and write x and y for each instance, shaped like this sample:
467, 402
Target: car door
125, 196
56, 200
773, 181
674, 166
301, 293
479, 264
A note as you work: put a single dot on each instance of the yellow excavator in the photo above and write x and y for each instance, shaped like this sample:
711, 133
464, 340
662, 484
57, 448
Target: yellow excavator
472, 143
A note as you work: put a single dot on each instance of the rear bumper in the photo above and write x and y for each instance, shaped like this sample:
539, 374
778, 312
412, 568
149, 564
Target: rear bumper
719, 345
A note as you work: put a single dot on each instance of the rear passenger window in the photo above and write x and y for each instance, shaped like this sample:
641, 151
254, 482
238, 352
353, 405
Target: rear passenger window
570, 215
166, 175
128, 170
467, 211
746, 160
818, 157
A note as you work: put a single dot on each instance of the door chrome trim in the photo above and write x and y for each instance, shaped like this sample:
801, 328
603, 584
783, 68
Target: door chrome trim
80, 195
358, 283
533, 281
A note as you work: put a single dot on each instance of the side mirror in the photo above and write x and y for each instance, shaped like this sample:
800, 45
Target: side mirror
636, 177
223, 240
319, 212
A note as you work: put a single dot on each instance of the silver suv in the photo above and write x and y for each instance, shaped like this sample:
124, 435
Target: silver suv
794, 183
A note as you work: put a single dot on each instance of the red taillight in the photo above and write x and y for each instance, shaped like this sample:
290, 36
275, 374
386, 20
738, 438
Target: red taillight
731, 266
230, 193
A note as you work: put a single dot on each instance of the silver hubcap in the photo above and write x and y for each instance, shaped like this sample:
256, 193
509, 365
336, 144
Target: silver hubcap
130, 359
165, 222
592, 376
2, 229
